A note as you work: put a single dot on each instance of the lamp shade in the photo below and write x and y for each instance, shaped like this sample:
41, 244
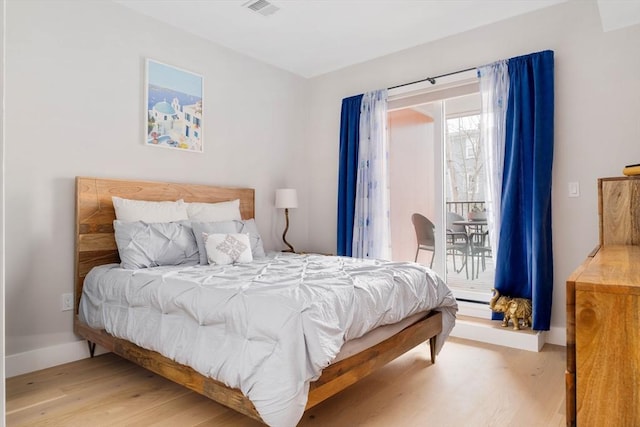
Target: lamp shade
286, 198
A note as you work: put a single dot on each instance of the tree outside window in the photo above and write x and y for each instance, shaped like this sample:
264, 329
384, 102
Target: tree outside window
465, 162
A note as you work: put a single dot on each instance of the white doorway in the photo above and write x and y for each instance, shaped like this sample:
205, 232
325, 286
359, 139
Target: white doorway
436, 167
415, 179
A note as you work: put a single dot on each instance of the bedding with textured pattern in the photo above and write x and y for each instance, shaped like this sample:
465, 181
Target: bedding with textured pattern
267, 327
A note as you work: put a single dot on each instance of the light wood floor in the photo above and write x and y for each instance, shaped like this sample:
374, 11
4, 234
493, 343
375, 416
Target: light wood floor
471, 384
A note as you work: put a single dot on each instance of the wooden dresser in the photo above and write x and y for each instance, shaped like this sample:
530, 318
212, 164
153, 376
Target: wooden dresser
603, 316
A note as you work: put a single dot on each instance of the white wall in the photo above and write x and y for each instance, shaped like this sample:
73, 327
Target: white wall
75, 76
597, 107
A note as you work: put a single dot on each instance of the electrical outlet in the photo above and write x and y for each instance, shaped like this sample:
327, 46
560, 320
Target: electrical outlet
66, 302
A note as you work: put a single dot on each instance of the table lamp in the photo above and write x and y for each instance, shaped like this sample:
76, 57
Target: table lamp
286, 198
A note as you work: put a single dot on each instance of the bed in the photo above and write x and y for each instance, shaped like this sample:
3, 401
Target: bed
96, 247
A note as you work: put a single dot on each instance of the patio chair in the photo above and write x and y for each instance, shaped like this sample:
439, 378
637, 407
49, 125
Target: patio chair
480, 250
425, 235
457, 242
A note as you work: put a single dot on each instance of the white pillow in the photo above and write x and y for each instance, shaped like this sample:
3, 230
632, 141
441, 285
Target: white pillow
214, 212
222, 227
224, 249
128, 210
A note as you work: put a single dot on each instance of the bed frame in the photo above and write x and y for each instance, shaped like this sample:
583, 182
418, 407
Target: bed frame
95, 245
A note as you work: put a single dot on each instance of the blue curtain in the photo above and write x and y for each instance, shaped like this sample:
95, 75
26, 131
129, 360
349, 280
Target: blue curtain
524, 264
348, 172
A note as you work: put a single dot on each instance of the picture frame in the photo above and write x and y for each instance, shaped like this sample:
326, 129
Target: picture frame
173, 107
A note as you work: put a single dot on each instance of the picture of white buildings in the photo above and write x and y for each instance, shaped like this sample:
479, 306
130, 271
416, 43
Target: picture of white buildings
174, 107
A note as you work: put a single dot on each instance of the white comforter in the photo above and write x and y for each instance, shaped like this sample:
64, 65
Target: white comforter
267, 328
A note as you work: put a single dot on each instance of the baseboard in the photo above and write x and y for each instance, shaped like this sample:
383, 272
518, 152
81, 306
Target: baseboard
557, 335
491, 332
42, 358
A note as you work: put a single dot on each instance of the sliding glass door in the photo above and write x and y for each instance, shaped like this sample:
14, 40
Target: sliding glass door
437, 174
465, 200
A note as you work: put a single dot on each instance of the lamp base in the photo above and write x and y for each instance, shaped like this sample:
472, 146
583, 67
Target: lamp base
284, 235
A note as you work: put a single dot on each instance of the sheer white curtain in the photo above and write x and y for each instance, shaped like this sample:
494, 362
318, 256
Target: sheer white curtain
371, 228
494, 92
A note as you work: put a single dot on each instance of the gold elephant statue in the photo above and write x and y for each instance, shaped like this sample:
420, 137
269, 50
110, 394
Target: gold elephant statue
514, 309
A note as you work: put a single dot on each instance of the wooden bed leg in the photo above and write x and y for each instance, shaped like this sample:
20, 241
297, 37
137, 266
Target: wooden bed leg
92, 349
432, 345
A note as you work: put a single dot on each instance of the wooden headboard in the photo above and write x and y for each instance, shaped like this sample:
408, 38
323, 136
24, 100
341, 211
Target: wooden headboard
95, 242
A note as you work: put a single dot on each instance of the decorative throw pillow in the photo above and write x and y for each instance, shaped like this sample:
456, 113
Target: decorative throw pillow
249, 226
199, 228
224, 249
128, 210
214, 212
143, 245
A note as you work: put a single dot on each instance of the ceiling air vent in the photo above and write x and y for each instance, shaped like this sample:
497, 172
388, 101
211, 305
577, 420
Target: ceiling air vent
263, 7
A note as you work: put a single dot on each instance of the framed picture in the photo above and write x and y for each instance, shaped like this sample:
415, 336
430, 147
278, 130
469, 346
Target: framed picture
173, 100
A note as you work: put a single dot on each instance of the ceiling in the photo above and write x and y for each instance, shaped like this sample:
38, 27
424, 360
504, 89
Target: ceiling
313, 37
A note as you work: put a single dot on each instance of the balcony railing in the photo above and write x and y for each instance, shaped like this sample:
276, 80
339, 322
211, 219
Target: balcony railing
463, 208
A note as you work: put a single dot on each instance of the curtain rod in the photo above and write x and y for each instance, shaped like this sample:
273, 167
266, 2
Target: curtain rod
432, 80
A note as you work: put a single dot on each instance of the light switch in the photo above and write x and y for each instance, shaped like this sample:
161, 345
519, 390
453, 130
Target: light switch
574, 189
